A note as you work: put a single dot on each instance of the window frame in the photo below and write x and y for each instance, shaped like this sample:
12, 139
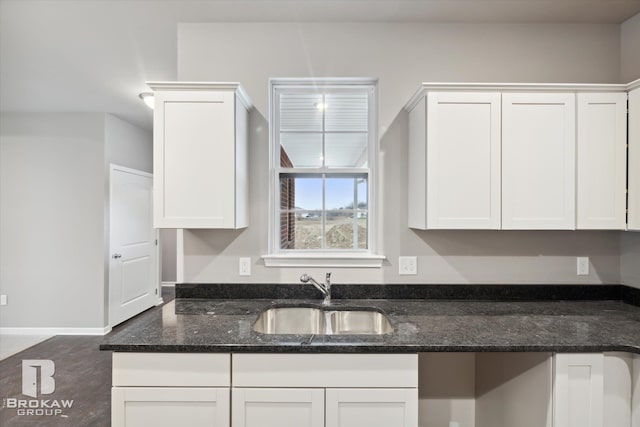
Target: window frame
326, 257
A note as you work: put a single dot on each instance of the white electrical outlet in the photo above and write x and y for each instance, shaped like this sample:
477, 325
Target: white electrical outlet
583, 265
244, 266
407, 265
3, 300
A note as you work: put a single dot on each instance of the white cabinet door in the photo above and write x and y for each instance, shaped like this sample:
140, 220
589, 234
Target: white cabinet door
463, 160
635, 393
618, 384
372, 407
538, 161
169, 407
454, 161
200, 159
602, 161
579, 390
270, 407
634, 160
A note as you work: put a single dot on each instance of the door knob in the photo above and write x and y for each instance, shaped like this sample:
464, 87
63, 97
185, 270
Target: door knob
116, 256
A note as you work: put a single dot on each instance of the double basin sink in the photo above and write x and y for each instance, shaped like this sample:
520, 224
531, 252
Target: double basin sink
322, 321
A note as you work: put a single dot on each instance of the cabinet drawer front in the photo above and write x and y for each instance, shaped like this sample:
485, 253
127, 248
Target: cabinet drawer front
372, 408
325, 370
159, 407
171, 369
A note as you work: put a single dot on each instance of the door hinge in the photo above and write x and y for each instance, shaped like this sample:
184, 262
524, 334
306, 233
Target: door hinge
156, 242
156, 291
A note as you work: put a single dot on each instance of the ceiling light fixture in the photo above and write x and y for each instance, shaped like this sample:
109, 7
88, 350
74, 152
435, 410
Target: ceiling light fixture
147, 97
321, 106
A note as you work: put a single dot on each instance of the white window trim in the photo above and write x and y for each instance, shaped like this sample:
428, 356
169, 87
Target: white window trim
324, 258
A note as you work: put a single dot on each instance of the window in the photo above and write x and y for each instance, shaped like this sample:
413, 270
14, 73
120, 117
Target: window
323, 157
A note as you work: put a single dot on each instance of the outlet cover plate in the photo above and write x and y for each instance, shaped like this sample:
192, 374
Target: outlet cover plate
583, 266
244, 266
407, 265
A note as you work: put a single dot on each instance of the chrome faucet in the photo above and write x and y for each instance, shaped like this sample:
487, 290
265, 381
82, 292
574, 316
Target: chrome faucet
325, 287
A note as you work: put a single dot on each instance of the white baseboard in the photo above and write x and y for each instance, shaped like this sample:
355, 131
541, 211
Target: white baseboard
168, 284
55, 331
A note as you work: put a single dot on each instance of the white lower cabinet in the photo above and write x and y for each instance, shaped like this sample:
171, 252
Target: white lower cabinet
593, 390
579, 390
371, 407
635, 392
170, 406
272, 407
170, 389
318, 390
377, 390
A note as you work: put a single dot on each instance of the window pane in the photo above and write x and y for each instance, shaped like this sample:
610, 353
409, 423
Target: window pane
339, 193
300, 193
346, 150
341, 228
308, 233
362, 202
300, 150
346, 112
300, 112
288, 230
362, 229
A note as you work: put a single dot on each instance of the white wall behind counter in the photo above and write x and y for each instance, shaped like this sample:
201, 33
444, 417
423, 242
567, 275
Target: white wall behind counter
401, 56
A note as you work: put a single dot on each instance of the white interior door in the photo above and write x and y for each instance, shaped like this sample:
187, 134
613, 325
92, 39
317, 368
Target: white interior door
133, 281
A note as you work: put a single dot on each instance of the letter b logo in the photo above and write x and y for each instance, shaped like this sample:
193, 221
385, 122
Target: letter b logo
30, 377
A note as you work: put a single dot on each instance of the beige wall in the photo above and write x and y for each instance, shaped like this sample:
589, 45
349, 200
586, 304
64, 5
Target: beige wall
54, 214
401, 56
630, 259
630, 70
51, 220
630, 49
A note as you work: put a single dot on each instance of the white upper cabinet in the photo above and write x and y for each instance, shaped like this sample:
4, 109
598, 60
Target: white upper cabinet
454, 161
602, 161
634, 160
200, 155
538, 161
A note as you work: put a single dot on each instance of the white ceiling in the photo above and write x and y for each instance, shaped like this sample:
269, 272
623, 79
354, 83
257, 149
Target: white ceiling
95, 55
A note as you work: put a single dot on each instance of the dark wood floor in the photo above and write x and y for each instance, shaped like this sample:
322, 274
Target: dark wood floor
83, 374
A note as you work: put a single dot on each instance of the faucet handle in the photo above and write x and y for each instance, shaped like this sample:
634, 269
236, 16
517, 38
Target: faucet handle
328, 278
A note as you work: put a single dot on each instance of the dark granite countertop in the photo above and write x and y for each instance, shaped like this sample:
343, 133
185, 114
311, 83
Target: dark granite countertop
225, 325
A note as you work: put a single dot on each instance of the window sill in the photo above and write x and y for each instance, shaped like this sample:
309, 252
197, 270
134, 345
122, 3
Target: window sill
346, 260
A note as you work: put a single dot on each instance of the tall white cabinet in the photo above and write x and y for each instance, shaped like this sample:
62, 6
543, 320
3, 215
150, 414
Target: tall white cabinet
456, 135
200, 155
538, 161
602, 161
634, 159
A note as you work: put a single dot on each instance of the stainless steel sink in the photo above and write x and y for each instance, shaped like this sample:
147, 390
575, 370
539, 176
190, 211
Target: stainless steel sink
318, 321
